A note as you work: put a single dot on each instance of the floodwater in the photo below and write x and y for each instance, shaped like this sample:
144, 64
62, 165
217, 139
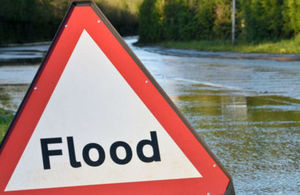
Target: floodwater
247, 111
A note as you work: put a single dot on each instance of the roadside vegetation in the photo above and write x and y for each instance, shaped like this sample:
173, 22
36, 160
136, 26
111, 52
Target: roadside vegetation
289, 46
261, 25
123, 14
5, 119
24, 21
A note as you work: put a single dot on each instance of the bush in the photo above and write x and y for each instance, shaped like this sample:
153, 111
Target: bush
179, 22
38, 20
150, 26
264, 20
121, 16
205, 18
256, 20
291, 17
223, 22
26, 20
184, 20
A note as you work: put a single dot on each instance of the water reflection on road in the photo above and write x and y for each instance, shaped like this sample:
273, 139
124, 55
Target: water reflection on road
247, 111
257, 137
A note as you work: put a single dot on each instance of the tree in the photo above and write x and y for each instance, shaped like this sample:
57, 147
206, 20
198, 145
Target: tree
150, 26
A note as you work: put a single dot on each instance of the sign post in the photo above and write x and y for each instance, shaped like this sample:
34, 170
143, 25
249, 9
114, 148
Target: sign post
94, 121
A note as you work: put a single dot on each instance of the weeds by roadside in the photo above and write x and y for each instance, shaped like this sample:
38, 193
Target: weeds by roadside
5, 119
291, 46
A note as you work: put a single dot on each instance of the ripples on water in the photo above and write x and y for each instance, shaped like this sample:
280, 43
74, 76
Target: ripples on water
247, 111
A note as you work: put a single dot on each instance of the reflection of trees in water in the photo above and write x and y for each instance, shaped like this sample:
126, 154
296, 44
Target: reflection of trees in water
11, 95
251, 134
234, 107
4, 98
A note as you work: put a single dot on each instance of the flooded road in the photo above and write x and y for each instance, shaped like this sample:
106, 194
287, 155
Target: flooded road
247, 111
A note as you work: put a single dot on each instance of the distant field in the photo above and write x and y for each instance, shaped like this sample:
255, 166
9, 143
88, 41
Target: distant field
291, 46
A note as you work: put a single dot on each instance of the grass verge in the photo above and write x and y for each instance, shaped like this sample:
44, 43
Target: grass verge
291, 46
5, 119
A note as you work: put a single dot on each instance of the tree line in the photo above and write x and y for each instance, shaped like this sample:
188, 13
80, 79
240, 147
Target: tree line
182, 20
28, 20
38, 20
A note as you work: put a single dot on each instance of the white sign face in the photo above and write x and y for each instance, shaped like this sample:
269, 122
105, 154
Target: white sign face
96, 130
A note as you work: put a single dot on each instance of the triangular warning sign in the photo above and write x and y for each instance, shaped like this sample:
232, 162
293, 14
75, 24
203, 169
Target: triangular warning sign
94, 121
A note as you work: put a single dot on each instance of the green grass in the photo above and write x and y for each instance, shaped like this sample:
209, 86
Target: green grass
291, 46
5, 119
